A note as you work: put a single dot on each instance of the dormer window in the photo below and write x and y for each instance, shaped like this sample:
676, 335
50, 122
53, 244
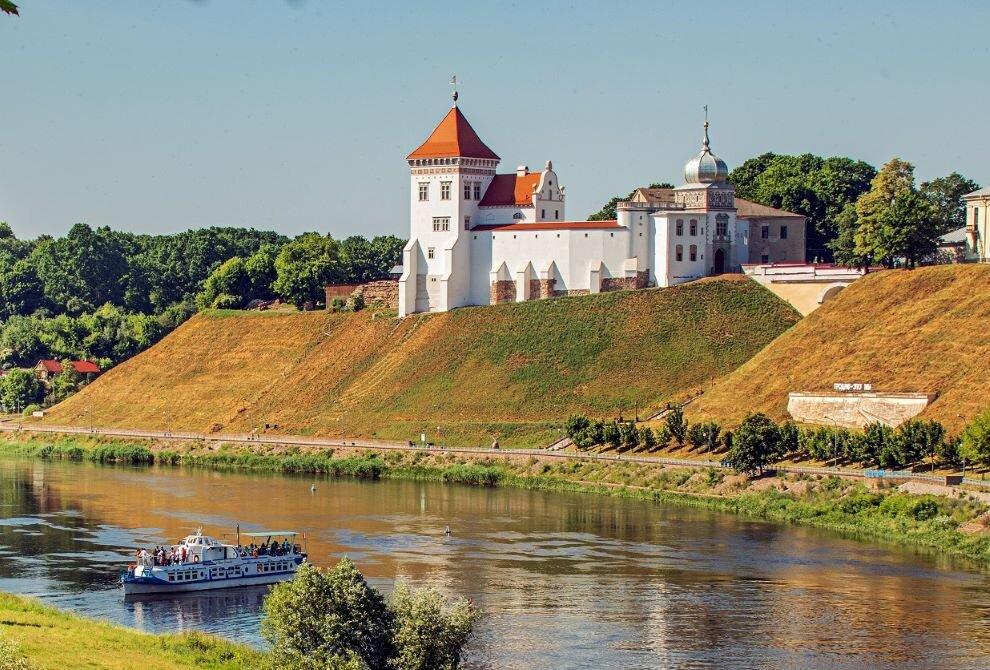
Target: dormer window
517, 215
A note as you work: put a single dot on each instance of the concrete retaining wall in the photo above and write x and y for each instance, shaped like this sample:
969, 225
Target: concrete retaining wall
855, 410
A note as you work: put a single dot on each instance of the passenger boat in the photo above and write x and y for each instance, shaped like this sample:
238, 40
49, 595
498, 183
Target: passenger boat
200, 563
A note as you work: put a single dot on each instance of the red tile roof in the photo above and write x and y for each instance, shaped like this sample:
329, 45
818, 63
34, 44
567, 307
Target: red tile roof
82, 367
85, 367
453, 137
511, 189
549, 225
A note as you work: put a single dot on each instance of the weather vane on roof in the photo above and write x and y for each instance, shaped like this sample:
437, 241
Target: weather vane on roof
453, 82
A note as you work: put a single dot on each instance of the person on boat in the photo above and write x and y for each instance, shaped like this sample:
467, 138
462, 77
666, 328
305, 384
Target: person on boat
182, 556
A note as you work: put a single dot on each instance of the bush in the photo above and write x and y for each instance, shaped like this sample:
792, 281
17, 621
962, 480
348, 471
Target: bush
31, 409
334, 619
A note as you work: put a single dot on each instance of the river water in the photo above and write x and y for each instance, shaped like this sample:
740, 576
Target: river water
563, 580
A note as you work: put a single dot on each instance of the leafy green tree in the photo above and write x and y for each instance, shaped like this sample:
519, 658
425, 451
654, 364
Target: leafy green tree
260, 269
429, 634
18, 389
327, 616
305, 266
20, 338
20, 289
229, 286
894, 220
880, 445
755, 445
819, 188
64, 384
628, 435
843, 246
8, 7
919, 438
611, 435
677, 425
647, 438
946, 196
976, 439
789, 438
334, 619
607, 212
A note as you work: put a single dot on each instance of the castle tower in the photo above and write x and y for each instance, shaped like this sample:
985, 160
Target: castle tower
449, 174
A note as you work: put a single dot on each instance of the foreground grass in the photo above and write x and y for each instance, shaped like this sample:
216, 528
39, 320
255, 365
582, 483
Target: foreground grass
49, 638
953, 526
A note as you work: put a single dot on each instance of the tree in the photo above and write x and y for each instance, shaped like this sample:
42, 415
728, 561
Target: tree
755, 445
64, 384
8, 7
260, 269
676, 425
327, 616
919, 438
429, 635
880, 445
227, 286
843, 246
607, 212
334, 619
816, 187
894, 220
18, 389
946, 196
305, 266
976, 439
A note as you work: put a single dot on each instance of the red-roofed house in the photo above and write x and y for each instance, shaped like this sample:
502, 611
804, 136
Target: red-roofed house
48, 368
478, 237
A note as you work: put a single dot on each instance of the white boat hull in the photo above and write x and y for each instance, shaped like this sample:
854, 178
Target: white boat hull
139, 588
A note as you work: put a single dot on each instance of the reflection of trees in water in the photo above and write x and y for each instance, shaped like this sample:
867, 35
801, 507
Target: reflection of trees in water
43, 532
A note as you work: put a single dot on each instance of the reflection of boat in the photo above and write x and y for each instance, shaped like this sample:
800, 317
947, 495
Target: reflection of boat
200, 563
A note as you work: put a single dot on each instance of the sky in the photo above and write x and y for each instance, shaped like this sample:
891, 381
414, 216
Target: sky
159, 116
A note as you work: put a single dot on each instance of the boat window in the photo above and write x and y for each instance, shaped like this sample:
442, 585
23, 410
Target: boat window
170, 577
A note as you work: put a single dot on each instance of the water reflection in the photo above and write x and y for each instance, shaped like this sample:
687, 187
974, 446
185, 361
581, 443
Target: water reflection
564, 580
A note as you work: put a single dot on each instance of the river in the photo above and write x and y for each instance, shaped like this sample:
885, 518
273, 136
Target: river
563, 580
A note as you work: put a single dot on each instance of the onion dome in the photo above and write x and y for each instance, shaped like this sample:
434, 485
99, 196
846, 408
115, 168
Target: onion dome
706, 167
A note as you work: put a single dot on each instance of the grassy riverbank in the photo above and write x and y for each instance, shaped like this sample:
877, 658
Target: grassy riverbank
45, 638
945, 524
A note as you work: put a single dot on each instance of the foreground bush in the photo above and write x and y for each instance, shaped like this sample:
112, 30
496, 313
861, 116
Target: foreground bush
333, 619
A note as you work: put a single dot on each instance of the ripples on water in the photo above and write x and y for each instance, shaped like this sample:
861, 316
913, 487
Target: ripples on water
564, 581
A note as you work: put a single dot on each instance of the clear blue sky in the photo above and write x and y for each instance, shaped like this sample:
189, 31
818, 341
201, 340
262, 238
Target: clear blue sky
160, 116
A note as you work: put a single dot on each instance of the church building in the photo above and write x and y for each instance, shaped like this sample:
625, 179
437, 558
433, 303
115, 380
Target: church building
478, 237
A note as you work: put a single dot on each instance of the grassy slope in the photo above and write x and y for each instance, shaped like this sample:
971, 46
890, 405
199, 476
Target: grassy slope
53, 639
908, 331
510, 369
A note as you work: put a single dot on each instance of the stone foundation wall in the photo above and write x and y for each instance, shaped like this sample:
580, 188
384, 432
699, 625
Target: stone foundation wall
546, 288
534, 289
384, 292
503, 290
856, 410
641, 280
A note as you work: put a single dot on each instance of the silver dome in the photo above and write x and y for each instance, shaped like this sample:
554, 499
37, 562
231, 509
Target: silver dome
706, 167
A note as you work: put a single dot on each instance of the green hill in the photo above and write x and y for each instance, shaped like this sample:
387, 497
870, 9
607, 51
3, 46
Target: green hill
923, 330
514, 370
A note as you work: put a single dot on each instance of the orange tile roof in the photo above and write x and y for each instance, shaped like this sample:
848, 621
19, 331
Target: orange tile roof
511, 189
454, 136
548, 225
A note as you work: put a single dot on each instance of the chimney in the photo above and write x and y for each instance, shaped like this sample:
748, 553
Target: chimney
522, 170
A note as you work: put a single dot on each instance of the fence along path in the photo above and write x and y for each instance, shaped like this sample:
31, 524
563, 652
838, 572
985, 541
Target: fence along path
302, 440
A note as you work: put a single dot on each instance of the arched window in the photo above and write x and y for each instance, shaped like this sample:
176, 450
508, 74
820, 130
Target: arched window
694, 252
722, 225
679, 252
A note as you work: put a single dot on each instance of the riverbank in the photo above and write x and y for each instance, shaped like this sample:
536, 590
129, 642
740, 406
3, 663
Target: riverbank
954, 524
42, 637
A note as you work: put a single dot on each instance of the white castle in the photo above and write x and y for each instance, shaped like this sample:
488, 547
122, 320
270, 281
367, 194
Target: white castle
479, 238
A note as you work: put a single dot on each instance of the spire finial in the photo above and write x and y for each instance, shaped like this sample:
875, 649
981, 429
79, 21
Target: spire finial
453, 82
704, 145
